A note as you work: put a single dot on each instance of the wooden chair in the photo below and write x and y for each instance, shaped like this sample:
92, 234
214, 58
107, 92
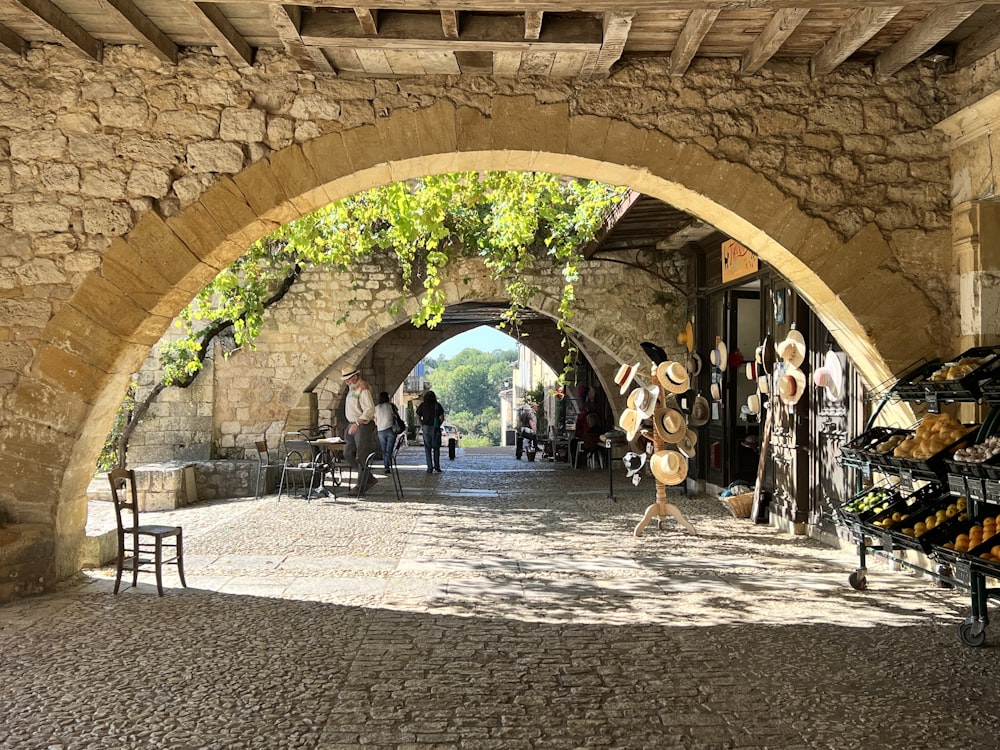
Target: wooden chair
146, 548
264, 466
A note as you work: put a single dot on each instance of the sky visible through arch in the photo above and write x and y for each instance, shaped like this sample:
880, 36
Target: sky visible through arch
484, 338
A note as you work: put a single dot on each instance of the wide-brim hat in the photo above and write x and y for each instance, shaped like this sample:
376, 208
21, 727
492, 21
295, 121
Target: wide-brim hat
754, 370
831, 376
765, 355
701, 412
791, 385
764, 384
687, 443
644, 400
715, 390
673, 377
633, 463
720, 355
753, 403
670, 424
686, 337
654, 351
625, 376
630, 421
792, 349
349, 372
669, 467
693, 363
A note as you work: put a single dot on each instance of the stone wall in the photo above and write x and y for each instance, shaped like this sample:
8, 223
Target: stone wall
125, 186
86, 149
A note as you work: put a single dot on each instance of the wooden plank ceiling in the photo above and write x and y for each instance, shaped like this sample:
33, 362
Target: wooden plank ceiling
571, 39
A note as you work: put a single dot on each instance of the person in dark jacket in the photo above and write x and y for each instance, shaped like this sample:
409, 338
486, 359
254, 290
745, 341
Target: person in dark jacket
431, 416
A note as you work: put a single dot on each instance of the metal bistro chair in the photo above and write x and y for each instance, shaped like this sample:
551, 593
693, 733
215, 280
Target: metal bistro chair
301, 467
142, 547
366, 470
264, 466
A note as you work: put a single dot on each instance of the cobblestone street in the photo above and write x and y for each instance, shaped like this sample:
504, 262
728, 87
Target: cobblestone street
501, 604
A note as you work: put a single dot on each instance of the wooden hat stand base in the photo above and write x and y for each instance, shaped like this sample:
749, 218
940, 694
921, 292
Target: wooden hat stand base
661, 508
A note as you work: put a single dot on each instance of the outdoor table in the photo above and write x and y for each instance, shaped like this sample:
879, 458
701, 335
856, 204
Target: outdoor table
333, 448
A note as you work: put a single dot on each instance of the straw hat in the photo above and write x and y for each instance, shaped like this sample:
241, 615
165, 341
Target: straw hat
693, 363
669, 467
687, 443
644, 399
791, 385
625, 376
686, 337
669, 424
764, 384
700, 412
753, 370
673, 376
753, 403
630, 421
720, 355
633, 463
792, 349
831, 376
349, 372
716, 391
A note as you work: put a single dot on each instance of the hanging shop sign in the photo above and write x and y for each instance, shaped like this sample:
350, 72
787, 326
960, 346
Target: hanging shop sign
737, 261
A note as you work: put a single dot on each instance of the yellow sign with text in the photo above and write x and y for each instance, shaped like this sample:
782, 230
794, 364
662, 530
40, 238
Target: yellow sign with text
737, 261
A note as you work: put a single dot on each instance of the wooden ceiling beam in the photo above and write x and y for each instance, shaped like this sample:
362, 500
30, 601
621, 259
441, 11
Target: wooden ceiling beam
68, 31
12, 42
982, 42
859, 28
287, 20
150, 35
368, 19
616, 30
449, 23
922, 37
697, 26
222, 33
480, 33
766, 45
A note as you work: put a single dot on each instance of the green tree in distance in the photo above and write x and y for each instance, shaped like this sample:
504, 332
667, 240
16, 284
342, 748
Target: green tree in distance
512, 221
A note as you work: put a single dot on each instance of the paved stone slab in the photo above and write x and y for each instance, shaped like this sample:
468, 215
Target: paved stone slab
524, 618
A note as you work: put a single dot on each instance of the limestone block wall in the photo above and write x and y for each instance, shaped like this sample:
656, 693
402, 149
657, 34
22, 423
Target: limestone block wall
126, 185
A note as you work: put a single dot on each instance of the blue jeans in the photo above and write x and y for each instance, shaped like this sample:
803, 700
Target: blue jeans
432, 446
387, 441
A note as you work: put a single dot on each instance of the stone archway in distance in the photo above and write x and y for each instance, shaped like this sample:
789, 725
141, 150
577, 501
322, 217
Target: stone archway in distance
62, 407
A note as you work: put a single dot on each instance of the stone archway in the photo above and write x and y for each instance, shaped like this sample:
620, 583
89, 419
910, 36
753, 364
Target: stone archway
63, 402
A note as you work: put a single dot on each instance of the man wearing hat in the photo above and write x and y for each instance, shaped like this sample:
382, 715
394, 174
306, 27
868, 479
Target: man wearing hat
359, 408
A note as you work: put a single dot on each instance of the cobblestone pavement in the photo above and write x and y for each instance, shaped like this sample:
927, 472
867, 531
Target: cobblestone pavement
501, 604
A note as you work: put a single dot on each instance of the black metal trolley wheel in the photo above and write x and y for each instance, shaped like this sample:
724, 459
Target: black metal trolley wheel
972, 632
858, 580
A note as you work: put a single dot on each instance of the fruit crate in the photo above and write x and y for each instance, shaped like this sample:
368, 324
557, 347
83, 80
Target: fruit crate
968, 387
926, 501
931, 469
860, 451
849, 511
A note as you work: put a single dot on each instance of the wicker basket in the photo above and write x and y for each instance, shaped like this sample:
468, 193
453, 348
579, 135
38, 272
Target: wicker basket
739, 505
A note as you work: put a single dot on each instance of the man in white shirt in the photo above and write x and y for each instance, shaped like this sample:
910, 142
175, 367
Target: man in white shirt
359, 437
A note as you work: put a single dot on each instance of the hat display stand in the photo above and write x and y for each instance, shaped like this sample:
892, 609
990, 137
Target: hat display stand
660, 509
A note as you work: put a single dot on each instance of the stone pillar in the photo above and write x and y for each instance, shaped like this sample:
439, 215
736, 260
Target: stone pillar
976, 246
